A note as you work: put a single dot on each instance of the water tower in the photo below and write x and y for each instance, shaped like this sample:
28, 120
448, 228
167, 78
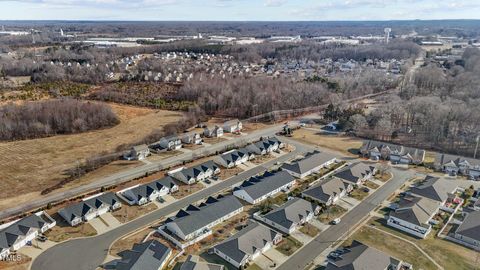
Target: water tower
387, 34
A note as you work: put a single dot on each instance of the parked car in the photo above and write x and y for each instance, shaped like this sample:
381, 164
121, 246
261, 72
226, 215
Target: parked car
366, 189
42, 238
336, 221
161, 200
207, 181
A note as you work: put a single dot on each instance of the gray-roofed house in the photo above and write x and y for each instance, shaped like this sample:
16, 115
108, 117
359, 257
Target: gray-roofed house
397, 154
139, 152
356, 173
142, 194
232, 126
213, 132
191, 138
247, 244
232, 158
265, 146
458, 165
90, 208
194, 262
17, 234
435, 188
195, 174
328, 192
172, 142
309, 164
259, 188
363, 257
468, 232
193, 224
413, 215
150, 255
291, 215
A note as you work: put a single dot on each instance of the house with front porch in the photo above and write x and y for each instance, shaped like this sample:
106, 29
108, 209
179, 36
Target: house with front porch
145, 193
213, 131
329, 192
397, 154
195, 174
169, 143
248, 244
232, 126
90, 208
233, 158
454, 165
15, 235
192, 138
357, 173
259, 188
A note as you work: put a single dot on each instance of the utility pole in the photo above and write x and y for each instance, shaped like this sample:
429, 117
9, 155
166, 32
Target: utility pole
476, 147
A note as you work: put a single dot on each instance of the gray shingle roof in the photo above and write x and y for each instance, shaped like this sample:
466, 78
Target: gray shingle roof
354, 172
233, 156
310, 161
193, 263
362, 257
393, 149
416, 210
258, 186
145, 256
247, 241
292, 212
434, 188
322, 192
443, 159
470, 227
10, 234
81, 208
189, 221
193, 172
146, 190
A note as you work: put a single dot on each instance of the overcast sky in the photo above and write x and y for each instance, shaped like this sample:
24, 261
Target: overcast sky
238, 10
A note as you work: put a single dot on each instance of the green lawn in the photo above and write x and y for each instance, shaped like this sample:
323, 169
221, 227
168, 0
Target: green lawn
288, 245
332, 212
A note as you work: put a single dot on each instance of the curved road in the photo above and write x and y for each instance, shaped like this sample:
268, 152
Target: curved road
89, 253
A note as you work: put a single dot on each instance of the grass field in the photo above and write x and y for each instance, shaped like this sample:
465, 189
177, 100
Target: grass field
344, 145
27, 167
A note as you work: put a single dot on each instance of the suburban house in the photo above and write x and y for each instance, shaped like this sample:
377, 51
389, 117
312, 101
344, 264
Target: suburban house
193, 262
172, 142
397, 154
247, 244
15, 235
138, 152
233, 158
291, 215
150, 255
468, 233
90, 208
193, 224
363, 257
192, 138
434, 188
413, 215
142, 194
259, 188
232, 126
265, 146
213, 132
357, 173
197, 173
454, 165
328, 192
309, 164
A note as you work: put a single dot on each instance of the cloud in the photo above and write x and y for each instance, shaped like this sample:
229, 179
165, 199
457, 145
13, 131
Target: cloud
275, 3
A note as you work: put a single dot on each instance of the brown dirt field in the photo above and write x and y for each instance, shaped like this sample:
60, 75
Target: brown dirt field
29, 166
128, 213
22, 264
345, 145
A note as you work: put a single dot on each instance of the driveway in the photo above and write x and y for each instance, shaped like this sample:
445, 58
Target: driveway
303, 238
270, 258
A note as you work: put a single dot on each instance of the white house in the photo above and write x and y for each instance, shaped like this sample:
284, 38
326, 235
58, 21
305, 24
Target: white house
357, 173
329, 192
143, 194
232, 126
138, 152
309, 164
192, 138
171, 142
290, 216
17, 234
195, 174
247, 244
259, 188
397, 154
90, 208
233, 158
213, 132
458, 165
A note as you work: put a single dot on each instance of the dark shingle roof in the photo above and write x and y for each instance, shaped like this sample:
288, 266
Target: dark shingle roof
309, 162
247, 241
416, 210
443, 159
196, 218
470, 227
145, 190
258, 186
193, 263
81, 208
433, 188
145, 256
292, 212
10, 234
322, 192
354, 172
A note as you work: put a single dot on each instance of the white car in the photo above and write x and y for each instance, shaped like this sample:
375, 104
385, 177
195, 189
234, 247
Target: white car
336, 221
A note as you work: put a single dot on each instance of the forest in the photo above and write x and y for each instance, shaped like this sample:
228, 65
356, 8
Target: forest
51, 117
439, 109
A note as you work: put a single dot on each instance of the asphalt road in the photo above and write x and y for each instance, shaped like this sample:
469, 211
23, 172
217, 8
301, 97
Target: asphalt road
326, 238
89, 253
130, 174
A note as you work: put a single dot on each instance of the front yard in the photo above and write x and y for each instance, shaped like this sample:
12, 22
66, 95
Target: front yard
127, 213
288, 246
309, 230
185, 190
331, 213
371, 185
358, 194
64, 231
